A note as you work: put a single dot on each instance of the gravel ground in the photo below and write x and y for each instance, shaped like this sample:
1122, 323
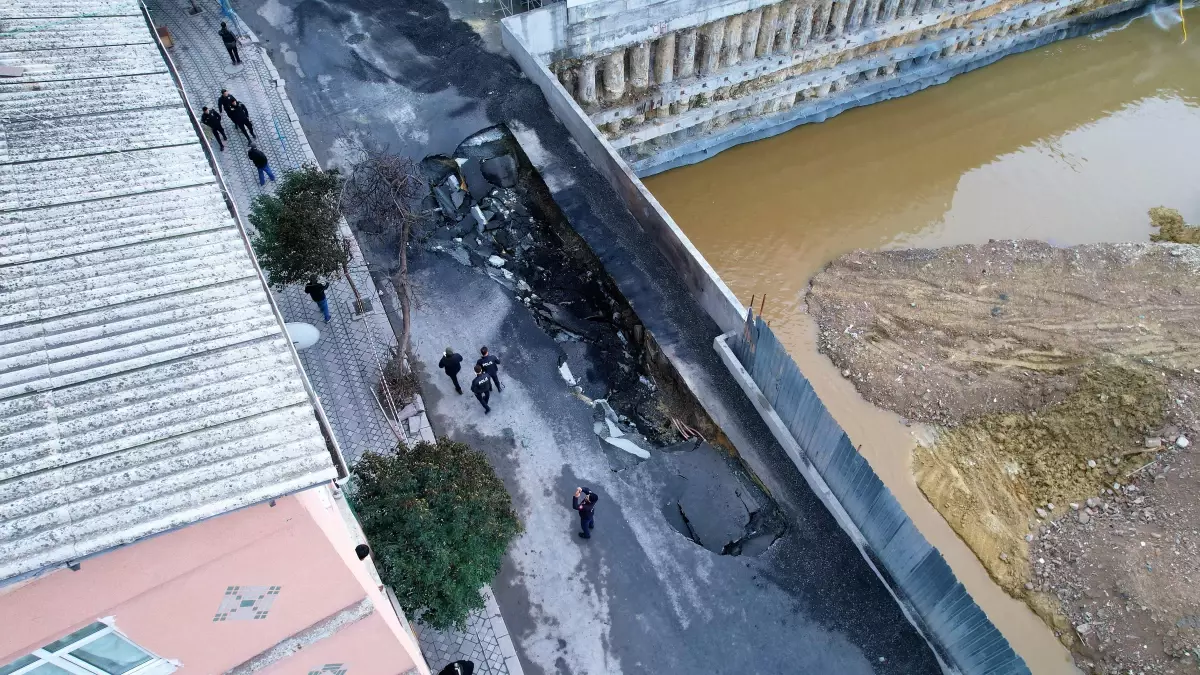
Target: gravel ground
1063, 384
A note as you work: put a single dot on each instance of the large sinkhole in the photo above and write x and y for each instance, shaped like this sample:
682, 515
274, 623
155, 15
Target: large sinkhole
714, 506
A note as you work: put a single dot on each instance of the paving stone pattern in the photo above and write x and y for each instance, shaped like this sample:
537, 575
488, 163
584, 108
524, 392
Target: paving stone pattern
485, 642
344, 365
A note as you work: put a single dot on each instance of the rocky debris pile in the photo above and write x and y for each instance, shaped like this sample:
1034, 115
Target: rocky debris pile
1124, 569
504, 236
949, 334
1065, 382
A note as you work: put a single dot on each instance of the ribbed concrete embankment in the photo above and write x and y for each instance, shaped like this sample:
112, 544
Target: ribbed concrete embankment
671, 82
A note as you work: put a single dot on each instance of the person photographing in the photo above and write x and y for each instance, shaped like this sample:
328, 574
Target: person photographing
584, 501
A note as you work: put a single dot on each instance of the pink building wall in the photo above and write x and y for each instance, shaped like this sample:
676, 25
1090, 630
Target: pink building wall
165, 591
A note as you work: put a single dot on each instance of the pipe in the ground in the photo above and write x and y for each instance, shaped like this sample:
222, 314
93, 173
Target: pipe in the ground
750, 33
586, 92
712, 36
639, 66
766, 32
664, 59
685, 64
731, 48
785, 38
614, 75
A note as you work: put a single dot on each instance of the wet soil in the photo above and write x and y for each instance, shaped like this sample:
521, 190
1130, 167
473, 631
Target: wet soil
1060, 377
947, 334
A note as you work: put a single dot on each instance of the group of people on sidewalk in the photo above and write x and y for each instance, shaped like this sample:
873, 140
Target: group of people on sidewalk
238, 113
240, 116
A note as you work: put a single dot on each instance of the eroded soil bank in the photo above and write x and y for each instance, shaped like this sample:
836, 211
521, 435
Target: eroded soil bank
1062, 382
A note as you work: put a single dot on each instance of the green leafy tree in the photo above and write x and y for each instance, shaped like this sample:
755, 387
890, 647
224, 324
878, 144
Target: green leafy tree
296, 229
439, 521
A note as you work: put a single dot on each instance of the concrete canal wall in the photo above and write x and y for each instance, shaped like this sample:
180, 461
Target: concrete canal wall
672, 82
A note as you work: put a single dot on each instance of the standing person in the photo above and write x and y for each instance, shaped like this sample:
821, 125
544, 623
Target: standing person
225, 101
230, 41
482, 389
452, 363
316, 291
584, 501
212, 120
240, 116
260, 162
490, 365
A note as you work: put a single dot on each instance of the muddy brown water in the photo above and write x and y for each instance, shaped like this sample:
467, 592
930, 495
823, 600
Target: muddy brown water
1071, 144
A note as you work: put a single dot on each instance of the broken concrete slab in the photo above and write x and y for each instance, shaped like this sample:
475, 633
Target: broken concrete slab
500, 170
630, 447
614, 431
606, 409
711, 501
565, 371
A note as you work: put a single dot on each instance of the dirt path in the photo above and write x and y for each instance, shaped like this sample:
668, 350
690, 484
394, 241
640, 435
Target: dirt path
1063, 380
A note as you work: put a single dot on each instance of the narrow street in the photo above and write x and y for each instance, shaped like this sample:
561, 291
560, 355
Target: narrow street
640, 596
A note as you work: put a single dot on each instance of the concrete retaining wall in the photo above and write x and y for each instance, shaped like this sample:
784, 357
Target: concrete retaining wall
910, 81
912, 569
704, 283
670, 82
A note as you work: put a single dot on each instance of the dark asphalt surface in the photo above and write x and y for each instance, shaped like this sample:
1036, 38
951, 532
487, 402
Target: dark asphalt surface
639, 597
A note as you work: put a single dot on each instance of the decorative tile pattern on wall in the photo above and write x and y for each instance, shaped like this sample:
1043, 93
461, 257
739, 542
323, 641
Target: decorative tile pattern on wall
330, 669
245, 603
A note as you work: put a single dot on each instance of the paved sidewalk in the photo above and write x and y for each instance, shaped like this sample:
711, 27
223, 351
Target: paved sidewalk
344, 366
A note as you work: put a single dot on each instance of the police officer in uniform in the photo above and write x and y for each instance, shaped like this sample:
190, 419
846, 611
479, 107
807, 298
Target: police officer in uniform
491, 366
482, 388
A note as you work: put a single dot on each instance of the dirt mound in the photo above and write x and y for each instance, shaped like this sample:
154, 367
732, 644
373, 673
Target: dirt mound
993, 477
1066, 381
948, 334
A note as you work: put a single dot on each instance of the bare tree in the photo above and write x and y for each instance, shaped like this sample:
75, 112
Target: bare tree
378, 195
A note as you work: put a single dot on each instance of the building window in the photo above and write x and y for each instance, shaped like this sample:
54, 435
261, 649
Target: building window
95, 649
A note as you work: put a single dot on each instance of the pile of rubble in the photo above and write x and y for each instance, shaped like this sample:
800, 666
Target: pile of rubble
502, 235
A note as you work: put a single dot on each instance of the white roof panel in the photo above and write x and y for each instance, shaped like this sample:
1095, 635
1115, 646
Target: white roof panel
145, 380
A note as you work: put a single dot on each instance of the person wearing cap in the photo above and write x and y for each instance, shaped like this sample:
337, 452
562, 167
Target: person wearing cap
452, 363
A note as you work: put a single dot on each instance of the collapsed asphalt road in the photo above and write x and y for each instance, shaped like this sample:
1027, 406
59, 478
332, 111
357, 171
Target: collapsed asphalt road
641, 596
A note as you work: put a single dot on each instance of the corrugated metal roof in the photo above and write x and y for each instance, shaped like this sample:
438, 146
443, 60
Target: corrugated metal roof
145, 381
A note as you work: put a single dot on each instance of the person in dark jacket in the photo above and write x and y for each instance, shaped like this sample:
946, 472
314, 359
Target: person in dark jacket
463, 667
482, 389
316, 291
225, 101
231, 45
452, 363
240, 116
584, 501
212, 120
491, 366
260, 162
